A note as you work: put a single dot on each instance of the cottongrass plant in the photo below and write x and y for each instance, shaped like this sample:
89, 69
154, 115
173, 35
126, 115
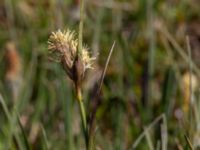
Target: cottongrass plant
63, 47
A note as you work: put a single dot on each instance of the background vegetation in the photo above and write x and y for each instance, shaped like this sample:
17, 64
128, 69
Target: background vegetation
150, 94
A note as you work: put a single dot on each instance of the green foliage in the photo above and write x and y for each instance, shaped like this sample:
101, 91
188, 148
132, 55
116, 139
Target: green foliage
143, 92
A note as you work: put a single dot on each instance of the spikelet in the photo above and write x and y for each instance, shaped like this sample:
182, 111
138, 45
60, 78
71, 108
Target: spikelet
63, 47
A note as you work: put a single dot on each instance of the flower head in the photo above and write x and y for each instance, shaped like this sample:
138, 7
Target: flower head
63, 47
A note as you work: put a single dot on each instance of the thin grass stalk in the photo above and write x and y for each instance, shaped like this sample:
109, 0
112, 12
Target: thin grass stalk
189, 143
80, 35
82, 108
151, 52
78, 89
83, 116
93, 113
158, 145
10, 15
11, 121
142, 135
24, 136
44, 137
164, 134
190, 68
179, 49
148, 138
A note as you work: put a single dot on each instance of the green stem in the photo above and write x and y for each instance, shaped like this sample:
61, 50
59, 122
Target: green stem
80, 36
79, 95
83, 116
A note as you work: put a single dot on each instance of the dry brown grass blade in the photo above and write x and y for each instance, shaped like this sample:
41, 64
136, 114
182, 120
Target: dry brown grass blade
143, 134
178, 48
149, 140
93, 113
189, 142
105, 68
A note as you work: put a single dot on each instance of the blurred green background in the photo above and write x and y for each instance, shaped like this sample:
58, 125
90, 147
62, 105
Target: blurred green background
150, 93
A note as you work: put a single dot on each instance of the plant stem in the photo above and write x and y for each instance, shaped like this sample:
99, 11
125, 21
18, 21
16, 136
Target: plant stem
80, 36
78, 90
82, 111
83, 116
